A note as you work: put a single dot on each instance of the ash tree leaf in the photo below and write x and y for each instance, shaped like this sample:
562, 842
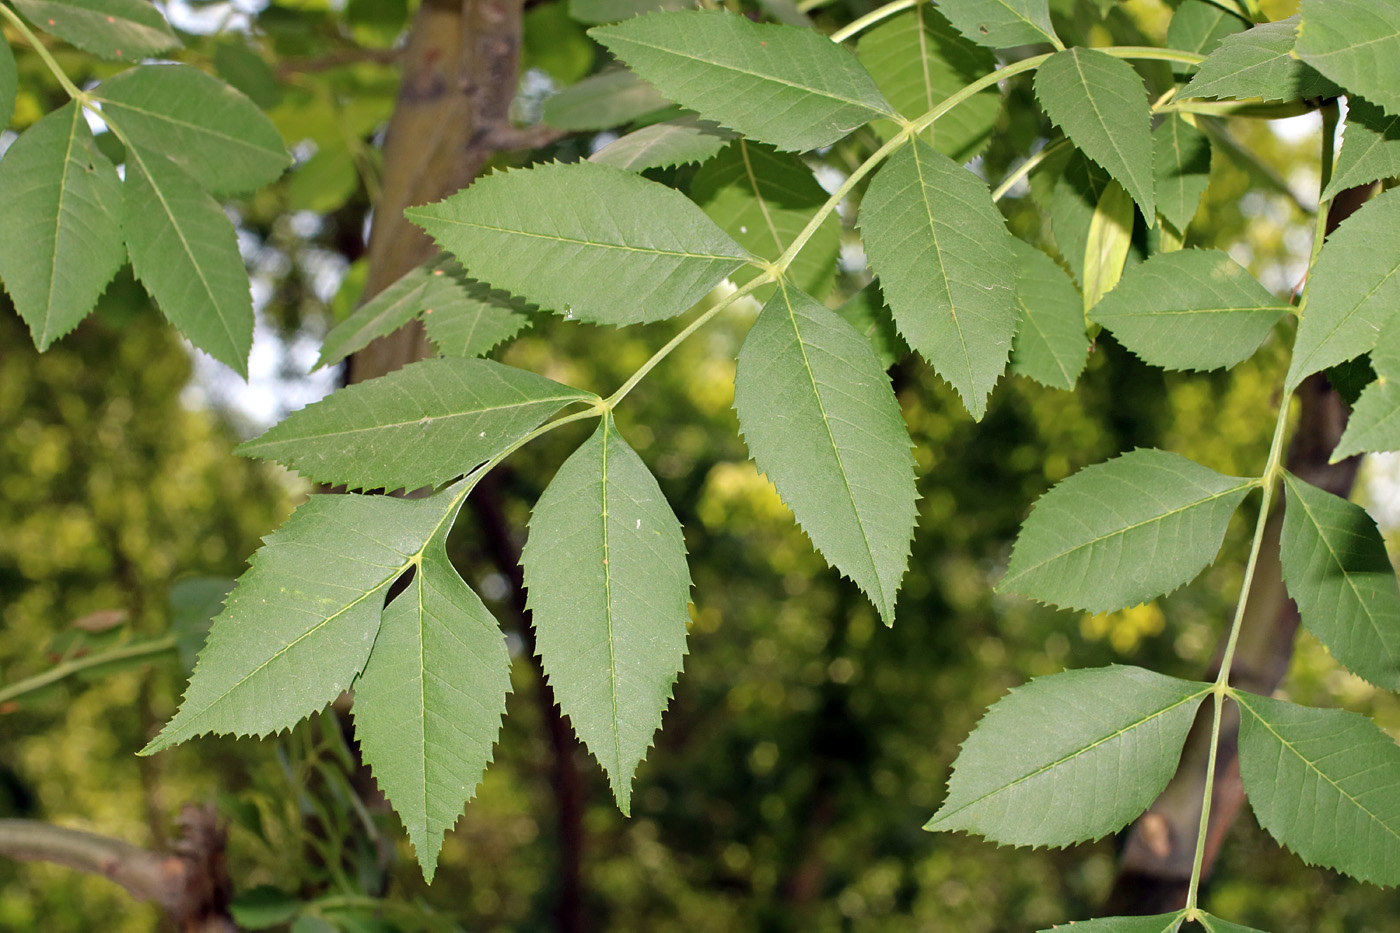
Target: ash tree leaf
820, 418
1073, 203
299, 626
763, 199
646, 251
61, 242
1259, 62
610, 11
185, 252
867, 312
1181, 166
681, 141
1336, 569
1354, 288
1122, 532
1374, 424
417, 426
1101, 104
115, 29
429, 703
1051, 345
944, 258
1356, 43
783, 85
1216, 925
1160, 923
212, 132
602, 101
1199, 26
1108, 244
917, 59
609, 592
1324, 783
1190, 309
1370, 148
1070, 757
1001, 24
467, 318
400, 302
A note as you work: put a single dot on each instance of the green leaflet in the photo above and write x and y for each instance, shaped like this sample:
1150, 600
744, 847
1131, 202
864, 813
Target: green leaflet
1181, 169
763, 199
9, 84
1161, 923
867, 312
1101, 104
665, 145
214, 133
1216, 925
646, 252
1354, 288
418, 426
609, 591
944, 258
818, 414
1259, 63
783, 85
301, 622
1073, 203
60, 245
118, 29
1123, 532
1374, 424
1108, 244
1051, 345
1337, 571
461, 317
184, 251
610, 11
917, 59
1370, 148
429, 703
1001, 24
1070, 757
1356, 43
602, 102
1190, 309
1198, 26
1325, 783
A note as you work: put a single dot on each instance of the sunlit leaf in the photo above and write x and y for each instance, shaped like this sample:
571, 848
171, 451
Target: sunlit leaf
1070, 757
1259, 63
1370, 148
129, 30
1122, 532
1356, 43
1198, 26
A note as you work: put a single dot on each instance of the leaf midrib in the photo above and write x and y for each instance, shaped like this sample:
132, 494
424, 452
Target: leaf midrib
625, 247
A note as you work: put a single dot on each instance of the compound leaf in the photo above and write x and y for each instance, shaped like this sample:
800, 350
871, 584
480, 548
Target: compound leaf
1354, 288
821, 419
1122, 532
1181, 166
1051, 344
1101, 104
645, 250
777, 84
1001, 24
299, 626
1070, 757
665, 145
1325, 783
429, 703
128, 30
763, 199
184, 251
61, 243
1337, 571
1259, 63
1190, 309
609, 591
218, 136
1356, 43
420, 425
1370, 148
917, 59
945, 262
